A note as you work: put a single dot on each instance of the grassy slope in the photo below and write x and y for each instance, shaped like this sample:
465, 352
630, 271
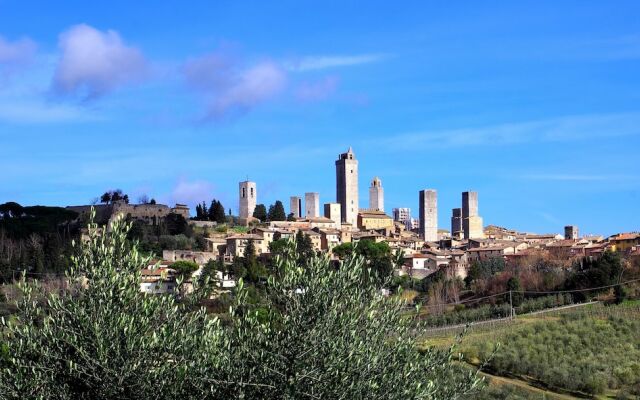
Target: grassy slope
574, 349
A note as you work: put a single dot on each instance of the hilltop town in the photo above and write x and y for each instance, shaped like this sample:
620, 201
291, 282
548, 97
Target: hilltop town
425, 247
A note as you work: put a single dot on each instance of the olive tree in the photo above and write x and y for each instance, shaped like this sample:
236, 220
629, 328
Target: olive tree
320, 332
105, 339
329, 333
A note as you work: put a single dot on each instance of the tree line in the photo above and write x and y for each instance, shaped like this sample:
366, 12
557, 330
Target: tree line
215, 212
275, 213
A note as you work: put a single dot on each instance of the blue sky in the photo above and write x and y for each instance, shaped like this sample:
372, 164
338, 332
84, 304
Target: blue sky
536, 105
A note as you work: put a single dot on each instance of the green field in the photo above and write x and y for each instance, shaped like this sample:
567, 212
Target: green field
590, 351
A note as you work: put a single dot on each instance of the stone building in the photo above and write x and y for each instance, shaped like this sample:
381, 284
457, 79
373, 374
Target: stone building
295, 206
471, 221
347, 186
374, 220
332, 211
151, 214
456, 223
376, 195
248, 197
428, 202
571, 232
312, 205
237, 244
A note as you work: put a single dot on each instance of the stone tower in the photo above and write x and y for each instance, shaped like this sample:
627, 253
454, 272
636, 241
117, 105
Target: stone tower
471, 221
312, 204
571, 232
248, 195
376, 195
456, 223
295, 206
347, 186
428, 201
332, 211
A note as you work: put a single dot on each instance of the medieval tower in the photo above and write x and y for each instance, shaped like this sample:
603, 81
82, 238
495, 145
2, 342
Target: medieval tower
428, 202
471, 221
248, 196
347, 186
376, 195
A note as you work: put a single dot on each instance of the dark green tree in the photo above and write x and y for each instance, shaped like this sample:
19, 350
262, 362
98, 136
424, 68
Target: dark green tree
218, 213
276, 212
260, 212
212, 209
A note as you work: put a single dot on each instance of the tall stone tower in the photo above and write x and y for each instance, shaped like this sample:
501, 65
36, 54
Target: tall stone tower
428, 202
456, 223
312, 204
248, 196
347, 186
471, 221
571, 232
376, 195
295, 206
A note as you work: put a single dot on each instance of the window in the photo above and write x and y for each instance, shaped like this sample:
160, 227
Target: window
244, 194
251, 192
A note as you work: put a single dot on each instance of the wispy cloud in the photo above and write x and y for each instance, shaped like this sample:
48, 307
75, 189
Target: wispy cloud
37, 112
94, 63
317, 90
191, 192
562, 129
578, 177
230, 87
321, 62
16, 52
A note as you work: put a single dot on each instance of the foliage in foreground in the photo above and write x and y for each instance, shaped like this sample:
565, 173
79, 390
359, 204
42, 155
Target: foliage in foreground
323, 333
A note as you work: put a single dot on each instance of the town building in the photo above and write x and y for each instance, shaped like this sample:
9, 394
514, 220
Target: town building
374, 220
347, 186
376, 195
236, 244
403, 215
428, 203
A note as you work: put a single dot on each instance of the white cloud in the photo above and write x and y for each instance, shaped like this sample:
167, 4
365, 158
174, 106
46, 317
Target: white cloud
562, 129
322, 62
231, 88
318, 90
94, 63
39, 113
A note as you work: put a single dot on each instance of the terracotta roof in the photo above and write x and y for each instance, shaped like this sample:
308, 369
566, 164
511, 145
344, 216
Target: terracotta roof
625, 236
562, 243
248, 236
